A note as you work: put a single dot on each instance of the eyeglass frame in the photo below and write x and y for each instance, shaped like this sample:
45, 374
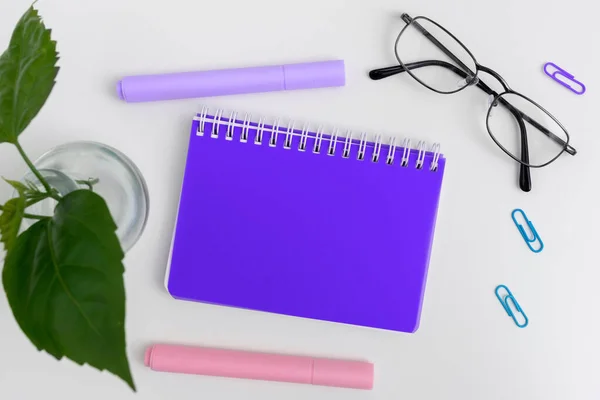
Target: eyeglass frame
473, 80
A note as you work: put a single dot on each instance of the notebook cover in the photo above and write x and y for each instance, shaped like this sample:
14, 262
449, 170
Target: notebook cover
304, 234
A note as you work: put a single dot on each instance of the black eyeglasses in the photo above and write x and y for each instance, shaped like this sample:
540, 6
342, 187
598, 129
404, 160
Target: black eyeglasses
440, 62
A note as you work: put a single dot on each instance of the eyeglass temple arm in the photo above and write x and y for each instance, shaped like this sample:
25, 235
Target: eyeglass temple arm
409, 20
524, 170
383, 73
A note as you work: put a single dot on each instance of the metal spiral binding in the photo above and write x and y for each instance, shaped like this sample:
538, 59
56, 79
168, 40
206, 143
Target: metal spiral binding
362, 147
230, 126
260, 131
260, 128
405, 153
318, 140
346, 151
303, 138
274, 133
288, 136
421, 155
436, 148
391, 152
215, 131
333, 142
377, 149
246, 128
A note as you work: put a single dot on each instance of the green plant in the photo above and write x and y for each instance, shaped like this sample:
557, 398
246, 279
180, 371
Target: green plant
63, 276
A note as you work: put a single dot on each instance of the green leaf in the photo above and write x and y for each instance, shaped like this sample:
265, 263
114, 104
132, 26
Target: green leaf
30, 191
27, 75
10, 221
64, 283
18, 186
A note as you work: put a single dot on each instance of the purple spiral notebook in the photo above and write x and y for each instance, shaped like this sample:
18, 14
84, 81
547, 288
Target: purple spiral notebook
291, 220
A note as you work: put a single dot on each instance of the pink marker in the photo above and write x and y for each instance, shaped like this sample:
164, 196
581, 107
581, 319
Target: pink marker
263, 366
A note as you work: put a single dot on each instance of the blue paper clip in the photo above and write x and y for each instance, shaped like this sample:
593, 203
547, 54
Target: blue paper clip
506, 305
569, 77
535, 237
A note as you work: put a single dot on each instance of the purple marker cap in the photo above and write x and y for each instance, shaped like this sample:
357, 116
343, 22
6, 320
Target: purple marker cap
231, 81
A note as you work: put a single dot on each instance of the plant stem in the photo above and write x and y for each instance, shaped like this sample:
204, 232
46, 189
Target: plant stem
27, 205
30, 216
36, 172
34, 216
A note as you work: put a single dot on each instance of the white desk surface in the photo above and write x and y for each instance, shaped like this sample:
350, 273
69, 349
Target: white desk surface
467, 347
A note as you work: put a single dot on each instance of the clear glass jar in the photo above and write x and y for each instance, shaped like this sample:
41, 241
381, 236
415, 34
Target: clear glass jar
114, 176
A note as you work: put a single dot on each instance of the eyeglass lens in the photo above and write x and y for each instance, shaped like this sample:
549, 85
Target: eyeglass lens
545, 138
423, 40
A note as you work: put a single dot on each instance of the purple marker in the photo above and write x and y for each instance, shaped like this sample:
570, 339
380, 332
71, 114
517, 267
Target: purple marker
232, 81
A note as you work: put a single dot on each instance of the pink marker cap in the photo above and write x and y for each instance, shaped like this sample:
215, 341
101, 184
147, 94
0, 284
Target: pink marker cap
342, 373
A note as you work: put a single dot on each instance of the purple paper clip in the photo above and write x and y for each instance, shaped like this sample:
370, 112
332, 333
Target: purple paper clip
561, 72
